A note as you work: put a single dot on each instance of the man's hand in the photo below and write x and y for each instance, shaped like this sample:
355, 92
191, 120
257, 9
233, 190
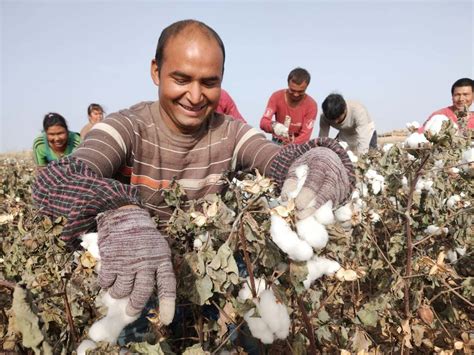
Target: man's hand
135, 257
326, 179
280, 129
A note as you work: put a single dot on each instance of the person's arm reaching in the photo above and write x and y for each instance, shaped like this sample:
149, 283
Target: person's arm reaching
323, 127
266, 121
79, 187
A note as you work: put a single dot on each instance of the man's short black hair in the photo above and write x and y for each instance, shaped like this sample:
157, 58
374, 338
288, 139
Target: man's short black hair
462, 82
334, 106
299, 75
175, 28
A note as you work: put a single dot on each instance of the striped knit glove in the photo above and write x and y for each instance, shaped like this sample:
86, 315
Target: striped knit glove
135, 257
327, 179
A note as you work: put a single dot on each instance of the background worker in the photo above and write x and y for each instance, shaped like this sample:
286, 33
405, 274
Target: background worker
95, 114
294, 111
227, 106
352, 120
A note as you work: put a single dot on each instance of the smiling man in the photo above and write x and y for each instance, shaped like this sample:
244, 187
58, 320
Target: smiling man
462, 97
294, 111
120, 171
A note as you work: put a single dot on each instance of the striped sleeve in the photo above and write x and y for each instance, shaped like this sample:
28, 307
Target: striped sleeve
69, 188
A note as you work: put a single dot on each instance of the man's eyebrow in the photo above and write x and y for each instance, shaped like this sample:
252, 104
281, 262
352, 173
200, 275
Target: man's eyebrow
180, 74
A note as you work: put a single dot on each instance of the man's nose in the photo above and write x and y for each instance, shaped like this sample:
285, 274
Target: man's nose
195, 93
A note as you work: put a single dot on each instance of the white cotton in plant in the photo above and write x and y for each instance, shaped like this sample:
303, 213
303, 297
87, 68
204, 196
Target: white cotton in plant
435, 230
197, 244
274, 314
343, 213
258, 327
287, 240
413, 126
411, 157
435, 123
352, 156
245, 292
312, 232
452, 255
85, 345
319, 266
204, 237
109, 327
424, 184
386, 147
453, 201
454, 170
404, 181
439, 164
343, 144
415, 139
374, 216
301, 173
363, 189
467, 156
461, 250
324, 214
91, 244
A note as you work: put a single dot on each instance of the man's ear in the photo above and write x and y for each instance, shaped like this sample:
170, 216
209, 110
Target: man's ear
155, 72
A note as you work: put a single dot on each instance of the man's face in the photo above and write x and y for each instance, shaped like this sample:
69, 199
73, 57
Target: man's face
189, 81
96, 116
296, 92
462, 96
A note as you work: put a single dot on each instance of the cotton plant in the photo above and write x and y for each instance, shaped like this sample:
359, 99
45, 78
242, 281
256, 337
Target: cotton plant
320, 266
375, 180
415, 140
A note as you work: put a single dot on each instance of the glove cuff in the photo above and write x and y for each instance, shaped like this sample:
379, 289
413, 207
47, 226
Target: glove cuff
287, 155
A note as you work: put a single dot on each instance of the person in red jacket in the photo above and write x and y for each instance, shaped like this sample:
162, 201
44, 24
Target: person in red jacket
294, 111
227, 106
462, 97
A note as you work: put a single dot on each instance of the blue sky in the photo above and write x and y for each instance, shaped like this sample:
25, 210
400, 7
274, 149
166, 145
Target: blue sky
399, 58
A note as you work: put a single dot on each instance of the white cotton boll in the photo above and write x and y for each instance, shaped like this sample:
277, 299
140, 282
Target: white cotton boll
352, 156
439, 164
376, 187
433, 230
461, 251
109, 327
324, 214
411, 157
413, 126
452, 255
374, 216
386, 147
415, 139
454, 170
85, 345
274, 314
435, 123
204, 237
259, 328
370, 174
288, 241
313, 232
90, 242
197, 244
453, 201
319, 266
343, 213
245, 292
468, 156
404, 181
301, 173
343, 144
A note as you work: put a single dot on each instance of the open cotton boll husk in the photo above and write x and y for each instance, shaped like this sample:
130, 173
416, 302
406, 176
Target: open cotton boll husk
274, 314
319, 266
108, 328
259, 328
343, 213
313, 232
324, 214
287, 240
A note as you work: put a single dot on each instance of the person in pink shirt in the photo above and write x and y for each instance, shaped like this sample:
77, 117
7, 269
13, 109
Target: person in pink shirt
462, 96
227, 106
294, 111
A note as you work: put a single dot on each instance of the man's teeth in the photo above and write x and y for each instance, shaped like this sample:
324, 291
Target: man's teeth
193, 108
